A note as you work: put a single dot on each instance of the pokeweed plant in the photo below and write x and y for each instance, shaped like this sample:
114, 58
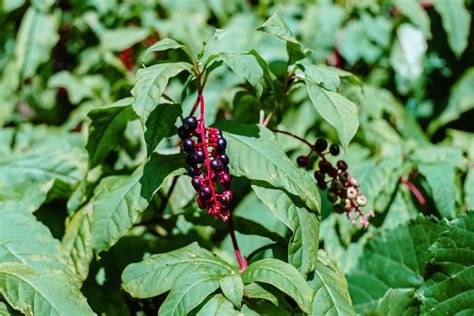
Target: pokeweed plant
166, 210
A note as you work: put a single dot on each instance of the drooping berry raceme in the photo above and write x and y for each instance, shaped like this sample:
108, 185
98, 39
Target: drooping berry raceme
343, 189
207, 164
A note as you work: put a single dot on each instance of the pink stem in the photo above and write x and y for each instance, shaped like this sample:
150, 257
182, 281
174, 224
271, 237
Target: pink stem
240, 259
414, 190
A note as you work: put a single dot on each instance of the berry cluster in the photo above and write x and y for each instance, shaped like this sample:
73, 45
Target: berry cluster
343, 189
207, 165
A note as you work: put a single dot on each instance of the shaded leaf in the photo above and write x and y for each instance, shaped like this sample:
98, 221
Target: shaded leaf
284, 277
216, 306
159, 124
232, 287
166, 44
246, 66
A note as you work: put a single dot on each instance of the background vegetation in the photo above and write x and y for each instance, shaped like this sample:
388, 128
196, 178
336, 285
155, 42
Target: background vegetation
83, 200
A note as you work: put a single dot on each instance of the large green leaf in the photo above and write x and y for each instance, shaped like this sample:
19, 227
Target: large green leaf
332, 295
303, 245
246, 66
118, 39
158, 273
189, 291
339, 111
232, 287
159, 124
25, 240
217, 306
284, 277
415, 13
456, 22
255, 154
76, 244
119, 200
166, 44
461, 99
442, 180
45, 293
394, 259
107, 126
451, 290
36, 38
151, 83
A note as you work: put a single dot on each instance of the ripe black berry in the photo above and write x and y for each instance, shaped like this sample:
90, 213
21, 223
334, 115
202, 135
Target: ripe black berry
225, 177
302, 161
334, 149
216, 165
324, 166
221, 145
321, 144
338, 208
332, 196
224, 158
188, 145
225, 200
322, 185
199, 156
344, 177
205, 193
319, 176
190, 159
336, 185
342, 165
196, 182
192, 171
182, 133
333, 172
190, 123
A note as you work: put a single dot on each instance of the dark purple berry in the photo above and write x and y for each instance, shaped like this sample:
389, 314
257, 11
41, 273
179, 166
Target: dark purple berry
221, 145
190, 123
333, 172
342, 165
225, 200
224, 158
332, 196
188, 145
324, 166
336, 185
196, 182
225, 177
205, 193
302, 161
182, 133
216, 165
344, 177
334, 149
199, 156
190, 159
321, 145
338, 208
192, 171
319, 176
322, 185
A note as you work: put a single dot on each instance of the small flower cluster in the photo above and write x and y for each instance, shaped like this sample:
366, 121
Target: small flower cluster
207, 165
343, 189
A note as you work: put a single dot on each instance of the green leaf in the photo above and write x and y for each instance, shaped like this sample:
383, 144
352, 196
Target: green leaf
257, 291
36, 38
398, 302
331, 290
393, 259
78, 87
254, 153
216, 306
159, 124
157, 274
246, 66
4, 311
442, 180
166, 44
415, 13
76, 244
303, 245
25, 240
107, 125
232, 287
325, 76
277, 27
461, 99
189, 292
284, 277
46, 293
450, 291
456, 22
469, 189
118, 39
337, 110
119, 200
151, 83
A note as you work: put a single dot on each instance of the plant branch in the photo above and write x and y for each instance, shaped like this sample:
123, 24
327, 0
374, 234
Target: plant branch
243, 264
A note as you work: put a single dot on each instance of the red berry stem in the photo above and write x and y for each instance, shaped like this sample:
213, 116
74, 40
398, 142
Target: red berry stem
414, 190
243, 264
